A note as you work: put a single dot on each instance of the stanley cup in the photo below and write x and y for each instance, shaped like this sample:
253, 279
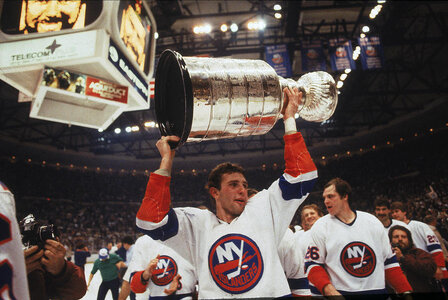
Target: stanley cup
199, 98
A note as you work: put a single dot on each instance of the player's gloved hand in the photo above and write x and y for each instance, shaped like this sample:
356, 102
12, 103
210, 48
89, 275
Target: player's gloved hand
54, 257
174, 286
32, 259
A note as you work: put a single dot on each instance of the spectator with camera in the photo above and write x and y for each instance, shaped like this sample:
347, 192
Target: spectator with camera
417, 264
49, 274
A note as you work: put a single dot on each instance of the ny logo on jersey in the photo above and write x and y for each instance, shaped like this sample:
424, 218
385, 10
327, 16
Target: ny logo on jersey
358, 259
235, 263
165, 271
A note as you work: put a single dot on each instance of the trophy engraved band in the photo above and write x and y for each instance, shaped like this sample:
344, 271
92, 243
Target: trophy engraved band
199, 98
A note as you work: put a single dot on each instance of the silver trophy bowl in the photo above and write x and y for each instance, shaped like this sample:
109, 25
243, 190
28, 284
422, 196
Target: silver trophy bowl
199, 98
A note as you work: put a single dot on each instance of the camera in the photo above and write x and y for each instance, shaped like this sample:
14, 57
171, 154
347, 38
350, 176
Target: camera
35, 232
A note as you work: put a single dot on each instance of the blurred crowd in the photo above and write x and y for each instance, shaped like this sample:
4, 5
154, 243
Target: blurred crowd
100, 207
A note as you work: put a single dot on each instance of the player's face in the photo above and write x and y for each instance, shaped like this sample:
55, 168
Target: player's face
382, 212
51, 15
333, 201
310, 216
400, 237
232, 197
398, 214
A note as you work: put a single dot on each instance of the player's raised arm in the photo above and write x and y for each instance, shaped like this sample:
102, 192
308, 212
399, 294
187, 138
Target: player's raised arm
157, 200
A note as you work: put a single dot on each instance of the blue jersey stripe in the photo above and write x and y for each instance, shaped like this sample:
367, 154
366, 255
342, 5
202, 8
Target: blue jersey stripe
171, 297
166, 231
391, 260
310, 263
299, 283
295, 190
433, 247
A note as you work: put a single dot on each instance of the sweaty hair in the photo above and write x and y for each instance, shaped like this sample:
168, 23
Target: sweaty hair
342, 187
381, 202
402, 228
398, 205
215, 176
313, 207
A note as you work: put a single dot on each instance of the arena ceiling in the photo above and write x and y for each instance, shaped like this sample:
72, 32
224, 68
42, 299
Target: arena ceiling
406, 96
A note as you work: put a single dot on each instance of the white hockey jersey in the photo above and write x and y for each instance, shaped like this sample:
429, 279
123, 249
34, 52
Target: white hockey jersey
237, 259
292, 257
354, 255
13, 277
423, 237
393, 223
170, 264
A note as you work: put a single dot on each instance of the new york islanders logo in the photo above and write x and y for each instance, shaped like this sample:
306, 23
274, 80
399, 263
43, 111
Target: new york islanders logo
358, 259
165, 271
235, 263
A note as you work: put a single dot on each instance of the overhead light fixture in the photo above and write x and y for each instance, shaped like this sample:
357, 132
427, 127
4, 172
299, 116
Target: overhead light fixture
206, 28
277, 7
224, 27
362, 35
234, 27
347, 71
156, 35
117, 130
365, 29
339, 84
135, 128
128, 129
278, 15
343, 76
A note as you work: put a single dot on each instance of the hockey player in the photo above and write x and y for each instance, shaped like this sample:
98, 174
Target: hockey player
168, 268
235, 251
382, 212
424, 238
349, 252
13, 283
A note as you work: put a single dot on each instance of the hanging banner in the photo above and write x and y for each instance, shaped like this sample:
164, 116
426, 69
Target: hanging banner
313, 58
277, 56
371, 53
341, 55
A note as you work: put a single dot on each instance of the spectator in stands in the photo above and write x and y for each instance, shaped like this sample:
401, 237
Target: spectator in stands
423, 237
108, 264
417, 264
382, 212
81, 254
431, 221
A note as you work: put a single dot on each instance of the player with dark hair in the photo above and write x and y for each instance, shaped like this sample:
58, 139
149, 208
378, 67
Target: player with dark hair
349, 252
234, 251
382, 212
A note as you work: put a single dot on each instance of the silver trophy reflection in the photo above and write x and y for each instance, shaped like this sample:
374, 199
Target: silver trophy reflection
198, 98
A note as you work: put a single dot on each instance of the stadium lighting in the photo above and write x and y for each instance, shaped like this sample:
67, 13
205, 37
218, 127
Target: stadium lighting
117, 130
347, 71
156, 35
135, 128
277, 7
151, 124
234, 27
343, 76
362, 35
365, 29
381, 1
339, 84
206, 28
278, 15
224, 27
128, 129
100, 129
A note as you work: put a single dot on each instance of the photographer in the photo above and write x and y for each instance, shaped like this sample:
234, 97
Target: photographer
49, 274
